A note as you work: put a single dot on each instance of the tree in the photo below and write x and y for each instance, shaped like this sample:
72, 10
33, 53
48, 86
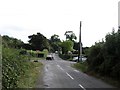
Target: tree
70, 35
11, 42
55, 38
27, 46
38, 41
76, 45
104, 57
66, 46
54, 42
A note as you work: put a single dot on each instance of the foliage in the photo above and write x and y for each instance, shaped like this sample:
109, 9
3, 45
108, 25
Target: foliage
38, 42
16, 69
75, 45
27, 46
28, 80
32, 53
55, 38
45, 53
0, 48
23, 52
13, 65
11, 42
70, 35
66, 46
81, 66
54, 42
95, 57
85, 50
104, 57
65, 56
15, 62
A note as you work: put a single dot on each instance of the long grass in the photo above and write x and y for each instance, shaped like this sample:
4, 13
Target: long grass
82, 66
28, 80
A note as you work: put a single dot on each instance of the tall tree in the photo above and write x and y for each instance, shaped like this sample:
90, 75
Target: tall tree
38, 41
55, 38
54, 42
70, 35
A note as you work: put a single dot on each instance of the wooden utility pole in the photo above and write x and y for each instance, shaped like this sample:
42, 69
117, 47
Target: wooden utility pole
80, 45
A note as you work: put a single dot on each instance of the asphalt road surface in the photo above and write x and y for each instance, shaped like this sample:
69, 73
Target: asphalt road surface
58, 73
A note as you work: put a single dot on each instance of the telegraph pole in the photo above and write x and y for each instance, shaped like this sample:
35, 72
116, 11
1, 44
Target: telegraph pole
80, 45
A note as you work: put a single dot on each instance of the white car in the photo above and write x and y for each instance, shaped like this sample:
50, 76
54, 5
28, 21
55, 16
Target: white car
76, 59
49, 57
56, 52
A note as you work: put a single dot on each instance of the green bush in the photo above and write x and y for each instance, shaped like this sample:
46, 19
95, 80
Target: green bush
38, 54
104, 57
45, 53
95, 57
13, 66
23, 52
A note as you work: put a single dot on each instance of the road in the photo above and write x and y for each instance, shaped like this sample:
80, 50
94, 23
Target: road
58, 73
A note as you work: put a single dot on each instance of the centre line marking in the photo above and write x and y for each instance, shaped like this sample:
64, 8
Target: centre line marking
82, 87
69, 75
60, 67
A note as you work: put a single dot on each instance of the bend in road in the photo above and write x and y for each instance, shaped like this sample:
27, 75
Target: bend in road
58, 73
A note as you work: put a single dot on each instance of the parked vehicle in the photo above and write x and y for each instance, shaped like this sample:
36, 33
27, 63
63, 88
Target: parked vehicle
49, 57
56, 52
75, 59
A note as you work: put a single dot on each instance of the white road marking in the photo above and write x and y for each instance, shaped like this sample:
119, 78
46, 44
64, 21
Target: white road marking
76, 70
60, 67
69, 75
46, 69
82, 87
68, 66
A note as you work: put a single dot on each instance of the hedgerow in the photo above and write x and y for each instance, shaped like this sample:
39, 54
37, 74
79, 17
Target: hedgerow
13, 66
104, 57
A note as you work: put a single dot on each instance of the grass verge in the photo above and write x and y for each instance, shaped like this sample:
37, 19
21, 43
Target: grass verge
35, 58
82, 66
28, 80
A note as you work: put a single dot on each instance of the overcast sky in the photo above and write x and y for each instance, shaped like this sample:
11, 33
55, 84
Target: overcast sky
21, 18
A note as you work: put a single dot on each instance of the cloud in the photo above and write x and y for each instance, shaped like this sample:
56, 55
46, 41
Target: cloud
26, 17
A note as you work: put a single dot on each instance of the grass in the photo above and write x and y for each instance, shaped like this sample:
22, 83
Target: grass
28, 80
83, 67
35, 58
